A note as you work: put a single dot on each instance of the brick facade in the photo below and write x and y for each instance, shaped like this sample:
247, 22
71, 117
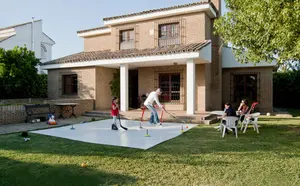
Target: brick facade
97, 43
103, 93
149, 81
192, 28
86, 83
264, 84
211, 80
17, 113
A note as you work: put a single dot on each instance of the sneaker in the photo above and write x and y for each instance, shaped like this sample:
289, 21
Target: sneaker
114, 127
159, 125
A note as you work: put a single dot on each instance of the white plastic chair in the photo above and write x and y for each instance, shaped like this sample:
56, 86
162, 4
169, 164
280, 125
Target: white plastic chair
251, 119
231, 123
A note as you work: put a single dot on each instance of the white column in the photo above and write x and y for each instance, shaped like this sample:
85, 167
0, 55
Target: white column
191, 86
124, 87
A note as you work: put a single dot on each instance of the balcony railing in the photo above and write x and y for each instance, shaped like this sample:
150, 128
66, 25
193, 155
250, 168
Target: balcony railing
168, 41
127, 45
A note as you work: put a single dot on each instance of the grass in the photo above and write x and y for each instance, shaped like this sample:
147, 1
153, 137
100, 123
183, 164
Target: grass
294, 112
198, 157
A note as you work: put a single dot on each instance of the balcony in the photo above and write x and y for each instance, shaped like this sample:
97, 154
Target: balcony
127, 45
168, 41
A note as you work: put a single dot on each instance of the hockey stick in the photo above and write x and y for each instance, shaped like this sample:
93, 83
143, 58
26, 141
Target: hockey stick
174, 116
121, 124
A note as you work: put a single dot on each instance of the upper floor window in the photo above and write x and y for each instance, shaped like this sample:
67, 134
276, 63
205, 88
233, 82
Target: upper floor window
70, 84
127, 39
169, 34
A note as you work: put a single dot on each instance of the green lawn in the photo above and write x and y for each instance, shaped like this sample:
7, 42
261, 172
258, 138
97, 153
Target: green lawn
198, 157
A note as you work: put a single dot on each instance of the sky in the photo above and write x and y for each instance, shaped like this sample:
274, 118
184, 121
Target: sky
63, 18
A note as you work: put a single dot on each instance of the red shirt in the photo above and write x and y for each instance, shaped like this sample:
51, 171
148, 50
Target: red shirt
116, 111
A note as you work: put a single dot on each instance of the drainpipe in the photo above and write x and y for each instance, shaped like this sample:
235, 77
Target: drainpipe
32, 34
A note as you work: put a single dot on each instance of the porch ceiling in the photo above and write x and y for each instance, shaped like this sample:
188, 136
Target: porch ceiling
171, 62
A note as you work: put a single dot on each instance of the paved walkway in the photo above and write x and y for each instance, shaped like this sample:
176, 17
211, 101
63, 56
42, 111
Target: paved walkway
20, 127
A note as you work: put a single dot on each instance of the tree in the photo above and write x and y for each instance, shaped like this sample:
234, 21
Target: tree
262, 30
115, 84
18, 74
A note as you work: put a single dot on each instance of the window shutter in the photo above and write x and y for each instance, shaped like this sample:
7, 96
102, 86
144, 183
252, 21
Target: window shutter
182, 31
136, 36
156, 34
117, 39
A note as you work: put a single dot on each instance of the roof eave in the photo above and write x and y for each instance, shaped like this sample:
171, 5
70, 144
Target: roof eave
94, 32
208, 8
138, 59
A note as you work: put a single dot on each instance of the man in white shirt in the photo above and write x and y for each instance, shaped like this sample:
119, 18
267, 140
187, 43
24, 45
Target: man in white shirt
153, 96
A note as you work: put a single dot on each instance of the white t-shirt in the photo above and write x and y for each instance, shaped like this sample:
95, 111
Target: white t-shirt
151, 98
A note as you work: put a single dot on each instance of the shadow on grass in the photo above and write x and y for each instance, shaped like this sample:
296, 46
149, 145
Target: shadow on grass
278, 119
14, 172
205, 140
199, 140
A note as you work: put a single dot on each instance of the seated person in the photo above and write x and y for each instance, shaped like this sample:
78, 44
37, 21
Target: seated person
229, 111
243, 109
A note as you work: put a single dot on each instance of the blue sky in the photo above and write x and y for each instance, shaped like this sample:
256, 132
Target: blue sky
63, 18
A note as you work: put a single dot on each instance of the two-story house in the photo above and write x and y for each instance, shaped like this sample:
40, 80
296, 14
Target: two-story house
172, 48
31, 35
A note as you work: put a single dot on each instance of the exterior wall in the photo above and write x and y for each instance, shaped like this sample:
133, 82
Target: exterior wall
208, 97
146, 32
23, 37
103, 92
149, 81
86, 83
12, 114
17, 114
48, 43
229, 61
217, 4
48, 54
200, 88
213, 71
265, 84
100, 42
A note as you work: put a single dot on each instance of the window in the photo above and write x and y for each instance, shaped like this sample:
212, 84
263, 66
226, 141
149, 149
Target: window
245, 87
169, 34
126, 39
43, 51
170, 85
70, 84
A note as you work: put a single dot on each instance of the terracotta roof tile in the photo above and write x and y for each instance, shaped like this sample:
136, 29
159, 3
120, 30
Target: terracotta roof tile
162, 9
91, 29
107, 54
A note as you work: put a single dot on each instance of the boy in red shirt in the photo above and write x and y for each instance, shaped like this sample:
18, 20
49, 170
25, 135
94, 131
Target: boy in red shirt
114, 112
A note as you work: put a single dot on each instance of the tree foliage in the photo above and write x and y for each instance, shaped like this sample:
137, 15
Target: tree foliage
286, 89
115, 84
18, 75
262, 30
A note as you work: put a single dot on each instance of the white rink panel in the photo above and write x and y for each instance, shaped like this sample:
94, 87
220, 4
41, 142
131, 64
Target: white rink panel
99, 132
